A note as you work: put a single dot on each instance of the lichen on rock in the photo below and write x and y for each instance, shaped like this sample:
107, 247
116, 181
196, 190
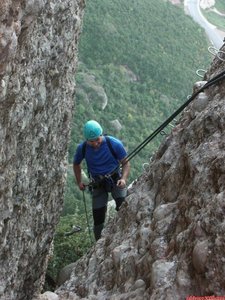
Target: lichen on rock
38, 57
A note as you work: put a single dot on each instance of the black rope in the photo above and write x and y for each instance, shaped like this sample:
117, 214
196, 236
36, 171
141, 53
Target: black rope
85, 207
131, 155
212, 81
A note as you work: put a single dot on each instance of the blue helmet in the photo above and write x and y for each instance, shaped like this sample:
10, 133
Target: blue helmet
92, 130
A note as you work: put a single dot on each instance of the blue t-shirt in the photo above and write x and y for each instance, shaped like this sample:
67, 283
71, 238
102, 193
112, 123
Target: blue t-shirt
101, 161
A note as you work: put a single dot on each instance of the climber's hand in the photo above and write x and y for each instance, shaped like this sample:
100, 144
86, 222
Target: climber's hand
81, 186
121, 183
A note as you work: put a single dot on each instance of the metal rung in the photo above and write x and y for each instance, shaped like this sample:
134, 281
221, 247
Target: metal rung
199, 74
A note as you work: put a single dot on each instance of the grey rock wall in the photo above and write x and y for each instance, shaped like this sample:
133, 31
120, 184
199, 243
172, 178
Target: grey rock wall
38, 56
167, 241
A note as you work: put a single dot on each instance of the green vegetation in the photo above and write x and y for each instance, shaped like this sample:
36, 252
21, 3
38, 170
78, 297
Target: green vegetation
137, 65
215, 19
69, 248
147, 37
220, 6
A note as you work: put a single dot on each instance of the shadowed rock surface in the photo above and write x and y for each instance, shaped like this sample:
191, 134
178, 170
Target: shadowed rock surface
38, 53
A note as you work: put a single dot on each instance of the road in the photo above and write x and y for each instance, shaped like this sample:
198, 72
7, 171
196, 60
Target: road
193, 8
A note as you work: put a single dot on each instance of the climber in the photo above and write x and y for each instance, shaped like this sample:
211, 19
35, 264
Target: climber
103, 155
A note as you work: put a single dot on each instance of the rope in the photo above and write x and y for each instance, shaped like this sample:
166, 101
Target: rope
131, 155
212, 81
85, 207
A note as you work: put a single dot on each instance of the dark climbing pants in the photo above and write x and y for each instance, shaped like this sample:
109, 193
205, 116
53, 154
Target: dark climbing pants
100, 195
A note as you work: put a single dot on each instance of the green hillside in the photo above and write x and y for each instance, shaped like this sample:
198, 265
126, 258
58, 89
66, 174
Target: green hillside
216, 14
147, 36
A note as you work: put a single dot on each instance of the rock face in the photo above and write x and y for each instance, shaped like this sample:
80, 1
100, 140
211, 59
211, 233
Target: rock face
38, 53
167, 241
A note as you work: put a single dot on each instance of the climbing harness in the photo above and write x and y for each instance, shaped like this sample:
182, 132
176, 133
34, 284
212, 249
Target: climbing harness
87, 219
212, 81
100, 180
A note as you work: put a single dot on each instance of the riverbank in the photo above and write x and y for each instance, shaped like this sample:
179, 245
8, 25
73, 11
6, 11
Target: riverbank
214, 34
221, 33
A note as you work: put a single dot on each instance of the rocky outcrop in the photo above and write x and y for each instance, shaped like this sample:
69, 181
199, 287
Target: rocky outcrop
167, 241
91, 91
38, 53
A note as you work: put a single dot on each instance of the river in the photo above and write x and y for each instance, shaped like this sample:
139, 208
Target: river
192, 7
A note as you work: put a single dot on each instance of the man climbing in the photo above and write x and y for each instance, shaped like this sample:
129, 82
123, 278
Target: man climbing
103, 155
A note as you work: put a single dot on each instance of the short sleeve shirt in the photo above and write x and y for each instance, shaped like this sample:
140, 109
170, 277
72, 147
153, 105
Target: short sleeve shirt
101, 161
